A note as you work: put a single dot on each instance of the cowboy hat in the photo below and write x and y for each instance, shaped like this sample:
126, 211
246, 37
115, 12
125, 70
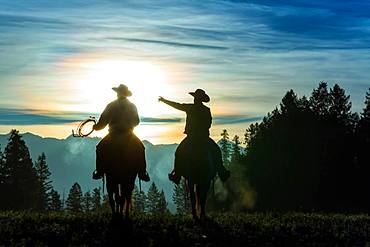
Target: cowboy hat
200, 94
122, 90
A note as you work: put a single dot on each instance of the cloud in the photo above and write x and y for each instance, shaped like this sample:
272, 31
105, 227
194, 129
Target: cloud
234, 119
149, 120
172, 43
14, 116
268, 46
9, 116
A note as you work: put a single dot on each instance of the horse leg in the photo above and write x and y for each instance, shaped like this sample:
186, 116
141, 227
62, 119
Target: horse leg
192, 200
110, 190
128, 205
203, 191
119, 199
198, 195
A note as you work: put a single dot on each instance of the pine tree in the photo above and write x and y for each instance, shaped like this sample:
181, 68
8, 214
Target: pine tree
181, 198
363, 157
55, 204
96, 199
2, 178
21, 185
105, 204
74, 200
365, 115
236, 151
162, 203
87, 202
139, 200
153, 199
225, 147
319, 101
43, 174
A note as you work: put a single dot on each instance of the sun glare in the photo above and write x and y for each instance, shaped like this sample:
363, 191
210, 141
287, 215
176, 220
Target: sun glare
146, 81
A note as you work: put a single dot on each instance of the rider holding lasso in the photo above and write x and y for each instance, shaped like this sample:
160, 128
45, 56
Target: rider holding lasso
121, 151
197, 153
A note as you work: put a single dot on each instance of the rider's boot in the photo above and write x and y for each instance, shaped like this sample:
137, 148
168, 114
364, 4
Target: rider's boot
174, 177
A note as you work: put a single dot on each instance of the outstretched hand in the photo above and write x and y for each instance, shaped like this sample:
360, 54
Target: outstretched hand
160, 98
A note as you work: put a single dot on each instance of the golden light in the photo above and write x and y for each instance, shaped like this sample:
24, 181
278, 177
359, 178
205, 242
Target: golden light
146, 80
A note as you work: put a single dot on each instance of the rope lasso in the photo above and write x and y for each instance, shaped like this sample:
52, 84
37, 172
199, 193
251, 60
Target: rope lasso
79, 132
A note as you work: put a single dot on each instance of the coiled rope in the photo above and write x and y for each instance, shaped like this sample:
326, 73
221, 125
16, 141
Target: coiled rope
79, 132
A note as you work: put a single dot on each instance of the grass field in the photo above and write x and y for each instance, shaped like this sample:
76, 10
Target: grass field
252, 229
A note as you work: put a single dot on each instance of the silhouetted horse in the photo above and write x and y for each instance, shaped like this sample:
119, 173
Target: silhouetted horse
197, 164
123, 157
119, 194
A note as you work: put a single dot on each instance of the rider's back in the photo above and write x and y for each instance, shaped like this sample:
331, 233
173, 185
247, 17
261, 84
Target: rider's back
198, 120
122, 116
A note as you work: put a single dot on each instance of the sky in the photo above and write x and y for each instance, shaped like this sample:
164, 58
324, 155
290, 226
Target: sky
60, 59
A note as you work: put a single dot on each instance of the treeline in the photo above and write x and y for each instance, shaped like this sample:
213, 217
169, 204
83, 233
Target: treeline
26, 185
307, 154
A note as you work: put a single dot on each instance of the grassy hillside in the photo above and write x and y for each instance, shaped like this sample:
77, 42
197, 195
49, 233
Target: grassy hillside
59, 229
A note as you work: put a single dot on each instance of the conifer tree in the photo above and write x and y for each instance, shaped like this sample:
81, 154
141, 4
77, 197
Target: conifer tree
181, 198
105, 204
319, 101
153, 196
236, 151
162, 203
87, 202
2, 178
75, 198
139, 200
225, 147
43, 174
21, 185
55, 203
96, 199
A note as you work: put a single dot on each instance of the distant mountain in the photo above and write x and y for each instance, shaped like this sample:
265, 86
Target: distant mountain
73, 159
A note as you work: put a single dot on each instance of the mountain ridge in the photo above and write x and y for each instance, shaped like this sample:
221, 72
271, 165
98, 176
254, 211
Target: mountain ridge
72, 160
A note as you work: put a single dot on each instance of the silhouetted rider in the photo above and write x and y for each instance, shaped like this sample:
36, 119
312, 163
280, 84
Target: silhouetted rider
121, 116
198, 123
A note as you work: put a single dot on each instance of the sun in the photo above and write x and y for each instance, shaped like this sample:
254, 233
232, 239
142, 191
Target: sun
146, 80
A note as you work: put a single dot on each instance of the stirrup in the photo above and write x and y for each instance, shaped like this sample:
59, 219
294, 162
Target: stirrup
97, 175
174, 178
144, 176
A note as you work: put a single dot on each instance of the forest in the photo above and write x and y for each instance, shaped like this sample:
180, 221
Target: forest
300, 175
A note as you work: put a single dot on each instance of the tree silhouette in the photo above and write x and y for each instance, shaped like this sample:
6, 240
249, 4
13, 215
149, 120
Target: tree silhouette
43, 174
320, 100
278, 162
236, 151
21, 188
3, 174
303, 154
162, 203
225, 147
181, 198
139, 200
362, 155
55, 204
74, 200
87, 202
96, 199
153, 197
